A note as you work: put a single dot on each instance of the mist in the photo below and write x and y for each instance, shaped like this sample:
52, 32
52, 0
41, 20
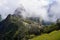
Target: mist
47, 10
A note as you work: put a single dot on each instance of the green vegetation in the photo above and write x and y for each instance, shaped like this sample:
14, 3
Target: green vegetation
14, 27
55, 35
17, 28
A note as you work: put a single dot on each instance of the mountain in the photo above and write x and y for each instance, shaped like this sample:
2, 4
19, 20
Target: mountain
0, 18
15, 27
20, 11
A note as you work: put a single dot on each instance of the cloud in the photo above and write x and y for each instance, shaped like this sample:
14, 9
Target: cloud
46, 9
33, 6
54, 10
7, 7
36, 8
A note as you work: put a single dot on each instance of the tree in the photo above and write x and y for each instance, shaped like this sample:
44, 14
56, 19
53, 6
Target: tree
58, 23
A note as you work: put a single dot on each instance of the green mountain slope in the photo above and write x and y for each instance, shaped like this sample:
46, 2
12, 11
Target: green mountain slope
15, 27
55, 35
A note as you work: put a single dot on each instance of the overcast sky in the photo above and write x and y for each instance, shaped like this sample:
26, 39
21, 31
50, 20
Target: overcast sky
47, 9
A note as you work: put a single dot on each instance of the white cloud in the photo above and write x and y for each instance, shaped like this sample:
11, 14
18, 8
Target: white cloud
55, 11
34, 7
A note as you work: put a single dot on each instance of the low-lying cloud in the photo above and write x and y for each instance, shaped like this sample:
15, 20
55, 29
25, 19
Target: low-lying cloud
45, 9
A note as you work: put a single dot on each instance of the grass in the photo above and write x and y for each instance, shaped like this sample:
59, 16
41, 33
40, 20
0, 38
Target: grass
55, 35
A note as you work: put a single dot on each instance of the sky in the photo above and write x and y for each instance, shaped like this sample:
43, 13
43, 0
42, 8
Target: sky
45, 9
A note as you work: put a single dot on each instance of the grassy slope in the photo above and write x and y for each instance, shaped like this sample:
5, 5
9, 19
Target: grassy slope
55, 35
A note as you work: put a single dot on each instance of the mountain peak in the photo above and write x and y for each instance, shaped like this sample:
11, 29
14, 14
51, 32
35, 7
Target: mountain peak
19, 11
